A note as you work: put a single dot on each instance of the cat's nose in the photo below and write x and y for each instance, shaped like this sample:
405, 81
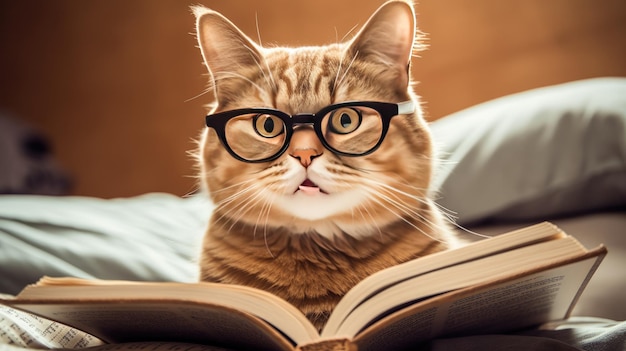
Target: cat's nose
305, 145
305, 155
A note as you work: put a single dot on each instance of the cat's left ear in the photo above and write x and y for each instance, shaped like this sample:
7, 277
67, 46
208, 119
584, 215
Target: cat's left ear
388, 37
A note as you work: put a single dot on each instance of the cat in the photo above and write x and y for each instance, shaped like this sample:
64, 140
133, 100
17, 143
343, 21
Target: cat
307, 206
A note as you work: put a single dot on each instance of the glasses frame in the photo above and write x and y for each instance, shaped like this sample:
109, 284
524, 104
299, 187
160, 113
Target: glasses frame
386, 111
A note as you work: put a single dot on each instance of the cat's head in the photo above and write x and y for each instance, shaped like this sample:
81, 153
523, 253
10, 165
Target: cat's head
341, 182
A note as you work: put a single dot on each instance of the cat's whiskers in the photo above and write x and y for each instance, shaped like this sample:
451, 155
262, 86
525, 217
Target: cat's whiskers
405, 220
263, 214
235, 185
387, 194
383, 201
227, 75
268, 206
242, 204
236, 199
208, 90
393, 196
448, 214
267, 72
398, 191
245, 205
258, 219
384, 180
452, 218
246, 200
348, 33
436, 227
369, 218
334, 88
258, 31
223, 205
338, 82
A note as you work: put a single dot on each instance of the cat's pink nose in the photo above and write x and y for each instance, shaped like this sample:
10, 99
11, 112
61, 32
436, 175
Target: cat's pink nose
305, 155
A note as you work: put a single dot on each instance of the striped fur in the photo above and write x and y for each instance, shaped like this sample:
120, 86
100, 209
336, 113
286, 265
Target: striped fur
311, 249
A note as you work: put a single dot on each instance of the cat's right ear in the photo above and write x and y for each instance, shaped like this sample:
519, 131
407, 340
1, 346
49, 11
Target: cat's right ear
225, 48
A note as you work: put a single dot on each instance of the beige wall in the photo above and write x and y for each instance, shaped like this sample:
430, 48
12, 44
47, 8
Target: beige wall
114, 82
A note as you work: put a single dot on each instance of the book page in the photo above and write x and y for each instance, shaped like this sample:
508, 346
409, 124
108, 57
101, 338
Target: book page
255, 302
541, 297
519, 302
179, 321
156, 346
27, 330
457, 277
378, 282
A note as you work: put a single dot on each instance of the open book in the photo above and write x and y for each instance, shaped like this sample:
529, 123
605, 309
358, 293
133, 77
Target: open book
512, 281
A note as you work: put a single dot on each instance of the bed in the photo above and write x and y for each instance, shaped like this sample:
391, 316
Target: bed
556, 153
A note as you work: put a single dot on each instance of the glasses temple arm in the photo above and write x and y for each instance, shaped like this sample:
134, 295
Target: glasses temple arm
407, 107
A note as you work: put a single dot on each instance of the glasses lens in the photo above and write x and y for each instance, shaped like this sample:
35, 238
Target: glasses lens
255, 136
352, 130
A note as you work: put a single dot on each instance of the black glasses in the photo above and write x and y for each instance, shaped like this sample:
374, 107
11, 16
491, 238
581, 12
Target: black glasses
348, 129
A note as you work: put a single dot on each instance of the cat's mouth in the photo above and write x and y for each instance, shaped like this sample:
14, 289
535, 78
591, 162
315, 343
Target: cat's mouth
310, 188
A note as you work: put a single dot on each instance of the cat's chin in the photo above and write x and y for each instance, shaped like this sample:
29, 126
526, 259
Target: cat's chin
313, 204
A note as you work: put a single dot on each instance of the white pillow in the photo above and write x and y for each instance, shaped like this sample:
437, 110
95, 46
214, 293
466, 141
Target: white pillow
542, 153
151, 237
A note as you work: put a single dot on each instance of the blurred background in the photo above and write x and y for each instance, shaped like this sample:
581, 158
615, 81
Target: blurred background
113, 88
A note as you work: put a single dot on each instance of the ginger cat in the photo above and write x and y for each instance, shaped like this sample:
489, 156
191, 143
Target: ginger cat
318, 160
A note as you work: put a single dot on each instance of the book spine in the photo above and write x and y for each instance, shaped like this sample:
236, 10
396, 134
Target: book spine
328, 345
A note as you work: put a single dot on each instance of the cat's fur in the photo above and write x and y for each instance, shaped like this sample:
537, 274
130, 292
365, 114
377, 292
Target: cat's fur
376, 211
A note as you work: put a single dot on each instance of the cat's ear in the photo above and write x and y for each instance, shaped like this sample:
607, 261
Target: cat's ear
225, 48
388, 37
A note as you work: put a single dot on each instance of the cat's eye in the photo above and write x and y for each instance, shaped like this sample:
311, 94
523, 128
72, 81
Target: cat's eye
268, 126
344, 120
